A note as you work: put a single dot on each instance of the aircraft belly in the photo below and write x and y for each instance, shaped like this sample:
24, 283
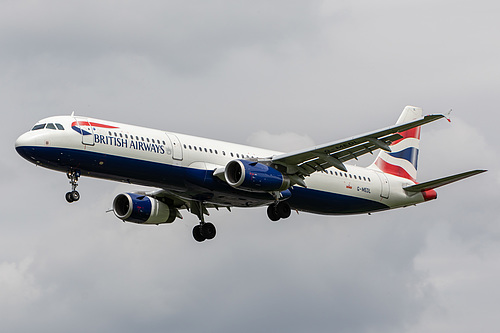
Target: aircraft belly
197, 184
324, 202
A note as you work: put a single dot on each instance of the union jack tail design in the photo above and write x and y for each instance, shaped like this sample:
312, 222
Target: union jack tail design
403, 158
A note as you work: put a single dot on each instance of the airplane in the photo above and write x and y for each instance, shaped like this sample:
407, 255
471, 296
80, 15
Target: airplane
196, 174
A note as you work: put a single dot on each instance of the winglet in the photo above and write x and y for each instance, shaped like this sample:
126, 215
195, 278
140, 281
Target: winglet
448, 116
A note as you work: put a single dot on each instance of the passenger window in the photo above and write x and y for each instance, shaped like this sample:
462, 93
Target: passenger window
195, 148
121, 135
190, 147
51, 126
223, 153
215, 150
38, 127
210, 151
60, 127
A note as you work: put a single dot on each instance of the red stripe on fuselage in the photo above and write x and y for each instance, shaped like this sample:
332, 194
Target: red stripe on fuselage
87, 123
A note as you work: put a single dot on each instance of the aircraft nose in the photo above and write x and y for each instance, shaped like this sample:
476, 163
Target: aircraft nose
23, 144
22, 141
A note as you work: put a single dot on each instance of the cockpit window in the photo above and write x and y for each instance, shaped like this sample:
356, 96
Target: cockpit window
38, 127
50, 126
60, 127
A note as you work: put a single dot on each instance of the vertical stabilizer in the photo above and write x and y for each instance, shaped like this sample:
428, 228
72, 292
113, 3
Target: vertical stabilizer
403, 158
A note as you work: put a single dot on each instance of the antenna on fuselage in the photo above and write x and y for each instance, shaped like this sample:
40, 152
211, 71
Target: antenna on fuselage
73, 114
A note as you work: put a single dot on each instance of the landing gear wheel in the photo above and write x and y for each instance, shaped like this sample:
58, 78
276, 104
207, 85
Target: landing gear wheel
283, 209
208, 230
272, 213
197, 234
69, 197
75, 196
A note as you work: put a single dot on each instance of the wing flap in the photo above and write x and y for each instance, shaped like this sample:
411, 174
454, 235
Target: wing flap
442, 181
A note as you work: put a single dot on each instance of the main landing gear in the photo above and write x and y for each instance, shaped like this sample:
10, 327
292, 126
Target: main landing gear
73, 195
204, 230
279, 210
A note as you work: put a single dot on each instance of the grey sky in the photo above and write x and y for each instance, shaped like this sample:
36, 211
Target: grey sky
296, 74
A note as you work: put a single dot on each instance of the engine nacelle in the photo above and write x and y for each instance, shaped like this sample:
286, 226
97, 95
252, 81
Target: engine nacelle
255, 177
136, 208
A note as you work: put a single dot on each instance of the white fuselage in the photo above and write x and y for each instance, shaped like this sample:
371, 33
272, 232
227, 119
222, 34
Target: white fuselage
184, 165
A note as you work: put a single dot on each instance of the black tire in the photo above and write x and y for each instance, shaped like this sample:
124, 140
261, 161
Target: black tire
75, 195
208, 230
69, 197
272, 213
283, 209
197, 234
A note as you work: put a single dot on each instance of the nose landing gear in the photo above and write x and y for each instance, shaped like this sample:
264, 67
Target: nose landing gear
73, 195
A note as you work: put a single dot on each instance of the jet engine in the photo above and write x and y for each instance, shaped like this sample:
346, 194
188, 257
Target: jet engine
255, 177
136, 208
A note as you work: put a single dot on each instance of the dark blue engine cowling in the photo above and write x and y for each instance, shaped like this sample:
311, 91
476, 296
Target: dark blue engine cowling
255, 177
136, 208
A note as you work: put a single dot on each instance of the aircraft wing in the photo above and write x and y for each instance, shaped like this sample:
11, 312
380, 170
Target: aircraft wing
307, 161
178, 202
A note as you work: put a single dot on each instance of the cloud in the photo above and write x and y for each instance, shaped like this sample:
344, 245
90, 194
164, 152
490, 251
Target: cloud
280, 76
186, 39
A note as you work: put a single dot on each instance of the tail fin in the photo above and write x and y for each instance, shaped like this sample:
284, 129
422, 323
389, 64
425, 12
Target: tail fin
403, 158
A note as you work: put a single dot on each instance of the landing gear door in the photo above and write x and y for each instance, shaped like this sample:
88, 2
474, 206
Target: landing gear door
176, 146
384, 191
84, 127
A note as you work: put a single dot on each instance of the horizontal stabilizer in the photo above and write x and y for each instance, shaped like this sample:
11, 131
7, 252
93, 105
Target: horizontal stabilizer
442, 181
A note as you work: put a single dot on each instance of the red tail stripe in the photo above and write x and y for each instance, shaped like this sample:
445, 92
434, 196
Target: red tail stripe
411, 133
393, 169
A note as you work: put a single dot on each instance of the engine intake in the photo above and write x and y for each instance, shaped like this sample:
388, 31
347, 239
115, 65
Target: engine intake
255, 177
136, 208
